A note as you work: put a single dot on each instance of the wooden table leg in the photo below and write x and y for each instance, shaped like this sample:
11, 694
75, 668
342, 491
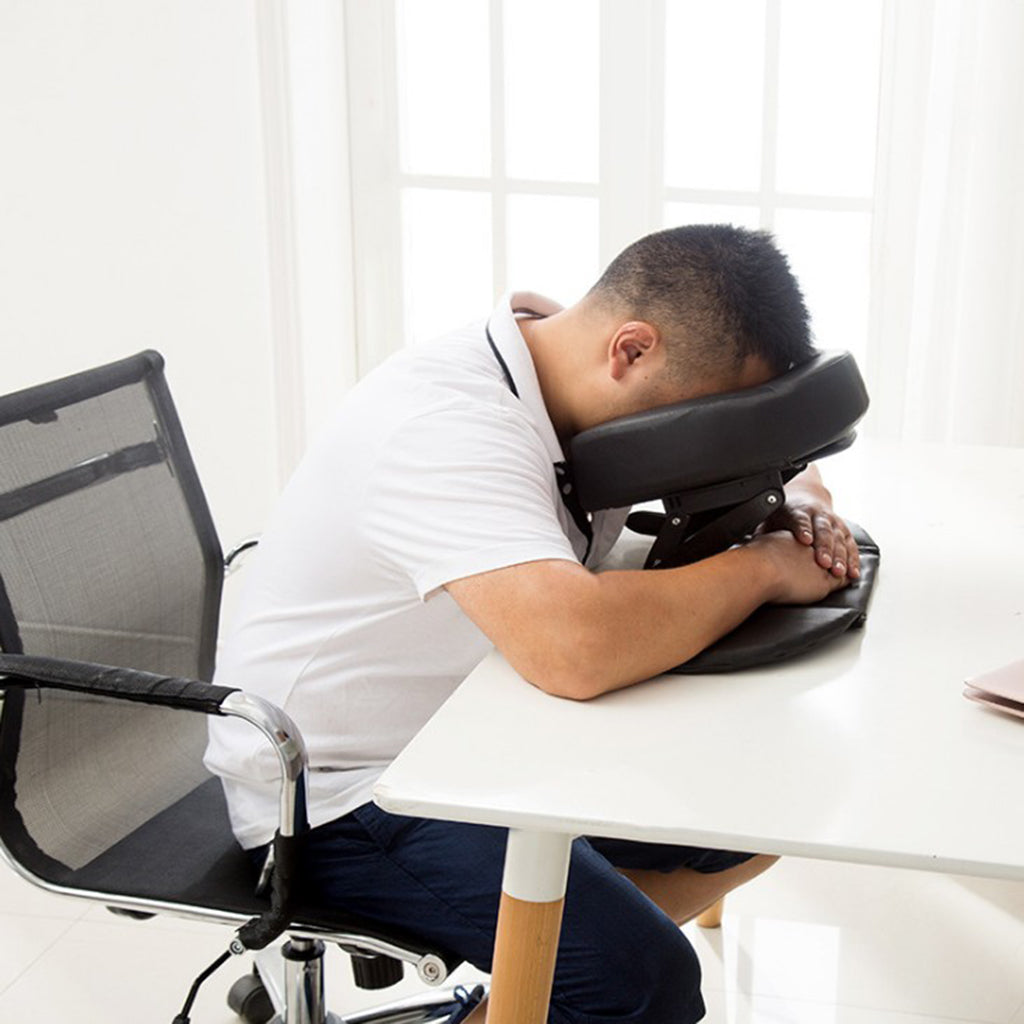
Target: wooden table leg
712, 917
529, 921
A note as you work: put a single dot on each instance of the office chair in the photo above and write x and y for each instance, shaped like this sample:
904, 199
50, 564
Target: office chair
110, 585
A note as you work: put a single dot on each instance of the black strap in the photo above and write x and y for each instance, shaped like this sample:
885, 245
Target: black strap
501, 362
85, 474
571, 500
261, 930
563, 471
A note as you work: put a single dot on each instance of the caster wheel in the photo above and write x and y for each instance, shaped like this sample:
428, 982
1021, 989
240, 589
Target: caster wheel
250, 1000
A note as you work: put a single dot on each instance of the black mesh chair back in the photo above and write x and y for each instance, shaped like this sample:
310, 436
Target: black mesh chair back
108, 554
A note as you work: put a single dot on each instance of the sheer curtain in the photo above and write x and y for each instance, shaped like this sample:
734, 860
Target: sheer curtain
946, 360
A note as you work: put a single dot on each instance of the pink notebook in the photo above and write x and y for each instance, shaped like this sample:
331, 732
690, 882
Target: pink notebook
1002, 688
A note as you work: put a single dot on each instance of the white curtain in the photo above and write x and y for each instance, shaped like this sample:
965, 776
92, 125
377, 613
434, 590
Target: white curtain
946, 360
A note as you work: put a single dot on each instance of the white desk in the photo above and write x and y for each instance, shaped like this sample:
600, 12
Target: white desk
864, 751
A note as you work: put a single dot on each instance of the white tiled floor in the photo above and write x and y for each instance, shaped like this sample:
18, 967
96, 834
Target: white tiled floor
808, 943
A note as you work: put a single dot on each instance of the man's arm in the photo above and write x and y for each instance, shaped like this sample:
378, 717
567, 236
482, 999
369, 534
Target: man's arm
578, 634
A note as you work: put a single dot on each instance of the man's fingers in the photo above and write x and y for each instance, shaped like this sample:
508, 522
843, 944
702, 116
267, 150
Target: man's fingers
824, 541
853, 557
839, 563
819, 527
801, 525
845, 556
835, 550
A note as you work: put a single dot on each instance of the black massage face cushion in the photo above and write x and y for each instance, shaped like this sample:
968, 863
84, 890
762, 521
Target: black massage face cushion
782, 425
719, 465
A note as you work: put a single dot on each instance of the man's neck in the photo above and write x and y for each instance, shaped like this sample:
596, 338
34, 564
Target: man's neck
552, 348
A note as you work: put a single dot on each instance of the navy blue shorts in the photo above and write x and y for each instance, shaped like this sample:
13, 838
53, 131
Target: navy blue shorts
620, 958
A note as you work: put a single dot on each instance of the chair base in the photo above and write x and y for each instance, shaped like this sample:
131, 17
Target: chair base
292, 978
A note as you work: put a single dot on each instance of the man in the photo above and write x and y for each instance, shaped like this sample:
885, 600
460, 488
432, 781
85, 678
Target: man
427, 524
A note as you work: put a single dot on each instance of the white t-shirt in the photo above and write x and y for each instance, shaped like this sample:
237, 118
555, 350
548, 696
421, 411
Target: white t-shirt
431, 470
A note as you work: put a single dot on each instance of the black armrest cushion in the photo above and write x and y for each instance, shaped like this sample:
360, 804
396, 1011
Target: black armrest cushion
24, 670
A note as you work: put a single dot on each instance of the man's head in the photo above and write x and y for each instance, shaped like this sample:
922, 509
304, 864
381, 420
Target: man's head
682, 313
717, 295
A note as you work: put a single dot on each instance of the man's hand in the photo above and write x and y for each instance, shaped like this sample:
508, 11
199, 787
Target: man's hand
801, 579
809, 516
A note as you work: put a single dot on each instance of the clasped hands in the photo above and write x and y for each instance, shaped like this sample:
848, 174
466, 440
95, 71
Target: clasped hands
808, 517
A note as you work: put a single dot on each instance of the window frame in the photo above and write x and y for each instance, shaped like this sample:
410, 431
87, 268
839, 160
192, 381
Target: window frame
631, 191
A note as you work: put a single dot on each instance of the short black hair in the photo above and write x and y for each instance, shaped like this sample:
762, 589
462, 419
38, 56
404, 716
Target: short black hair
718, 294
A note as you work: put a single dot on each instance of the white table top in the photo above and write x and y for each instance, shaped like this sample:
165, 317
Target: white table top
863, 751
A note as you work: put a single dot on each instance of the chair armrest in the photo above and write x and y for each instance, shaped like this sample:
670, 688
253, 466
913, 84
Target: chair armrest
287, 741
23, 671
32, 671
289, 746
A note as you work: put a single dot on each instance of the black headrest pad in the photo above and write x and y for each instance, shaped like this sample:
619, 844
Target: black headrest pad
778, 425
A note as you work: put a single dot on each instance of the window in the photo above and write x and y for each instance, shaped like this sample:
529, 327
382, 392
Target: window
500, 145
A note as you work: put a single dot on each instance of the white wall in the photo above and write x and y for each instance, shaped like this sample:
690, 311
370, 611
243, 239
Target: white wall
133, 214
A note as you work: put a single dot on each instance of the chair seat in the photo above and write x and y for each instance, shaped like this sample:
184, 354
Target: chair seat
188, 855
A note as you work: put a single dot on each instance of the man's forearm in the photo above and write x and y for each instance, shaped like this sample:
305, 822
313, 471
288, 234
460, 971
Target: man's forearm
632, 625
576, 634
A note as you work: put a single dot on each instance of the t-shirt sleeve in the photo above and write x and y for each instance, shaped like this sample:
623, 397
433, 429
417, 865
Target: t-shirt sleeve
460, 491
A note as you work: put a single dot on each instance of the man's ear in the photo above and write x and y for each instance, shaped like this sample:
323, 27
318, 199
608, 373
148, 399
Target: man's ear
631, 342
